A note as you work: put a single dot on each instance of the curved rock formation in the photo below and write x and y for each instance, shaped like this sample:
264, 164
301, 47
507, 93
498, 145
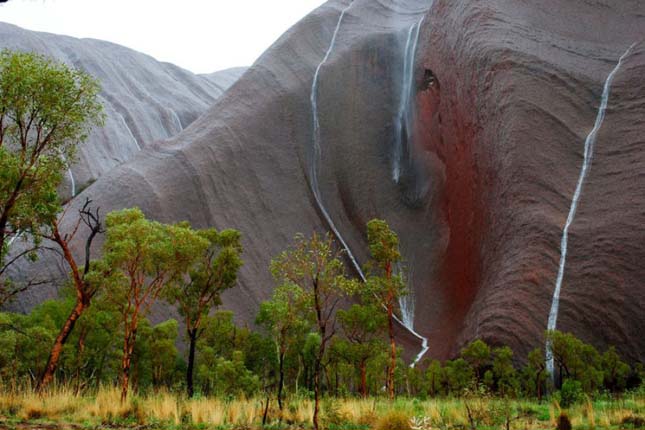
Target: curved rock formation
506, 93
145, 100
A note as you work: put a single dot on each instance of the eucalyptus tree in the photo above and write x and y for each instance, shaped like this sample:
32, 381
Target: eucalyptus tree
46, 110
282, 317
363, 327
314, 265
213, 272
85, 283
384, 285
145, 257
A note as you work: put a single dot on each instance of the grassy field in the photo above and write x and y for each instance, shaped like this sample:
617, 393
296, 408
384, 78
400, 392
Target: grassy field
62, 409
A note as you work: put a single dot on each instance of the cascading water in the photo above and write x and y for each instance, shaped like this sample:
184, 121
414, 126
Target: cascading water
407, 302
73, 182
404, 124
71, 177
134, 139
404, 121
586, 164
313, 173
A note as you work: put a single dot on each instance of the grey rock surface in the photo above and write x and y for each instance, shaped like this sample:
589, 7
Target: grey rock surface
145, 100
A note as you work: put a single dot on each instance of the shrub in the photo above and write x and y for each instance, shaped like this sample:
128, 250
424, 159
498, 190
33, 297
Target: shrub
570, 393
394, 420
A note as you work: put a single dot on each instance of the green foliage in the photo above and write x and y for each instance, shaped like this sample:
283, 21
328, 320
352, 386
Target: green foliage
282, 316
225, 349
213, 272
459, 375
383, 284
478, 355
46, 110
615, 371
576, 360
435, 377
228, 376
570, 393
314, 266
534, 373
503, 371
163, 353
144, 257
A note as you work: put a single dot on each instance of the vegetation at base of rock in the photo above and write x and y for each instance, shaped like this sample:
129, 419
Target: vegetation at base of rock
60, 406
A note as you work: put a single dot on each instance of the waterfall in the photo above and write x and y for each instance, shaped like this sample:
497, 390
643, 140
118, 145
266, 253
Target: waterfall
134, 139
176, 119
586, 164
71, 176
403, 125
407, 302
71, 179
404, 122
313, 174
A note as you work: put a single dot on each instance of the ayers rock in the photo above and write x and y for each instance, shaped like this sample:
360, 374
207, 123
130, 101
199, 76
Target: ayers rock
145, 100
505, 93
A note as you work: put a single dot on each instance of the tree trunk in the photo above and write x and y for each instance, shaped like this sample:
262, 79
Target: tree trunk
192, 335
281, 379
363, 367
266, 409
390, 373
316, 394
317, 372
54, 355
128, 348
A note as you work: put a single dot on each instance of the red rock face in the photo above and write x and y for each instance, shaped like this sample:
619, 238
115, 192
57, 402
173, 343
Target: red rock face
520, 86
498, 149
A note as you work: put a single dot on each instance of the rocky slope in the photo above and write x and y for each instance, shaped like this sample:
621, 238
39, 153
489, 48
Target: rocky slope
505, 94
145, 100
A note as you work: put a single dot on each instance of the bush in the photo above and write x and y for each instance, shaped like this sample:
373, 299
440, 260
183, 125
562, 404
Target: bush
394, 420
570, 393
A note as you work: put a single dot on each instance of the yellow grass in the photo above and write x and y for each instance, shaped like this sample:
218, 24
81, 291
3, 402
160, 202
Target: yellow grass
165, 409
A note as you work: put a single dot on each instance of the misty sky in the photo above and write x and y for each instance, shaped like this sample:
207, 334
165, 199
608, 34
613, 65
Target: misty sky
199, 35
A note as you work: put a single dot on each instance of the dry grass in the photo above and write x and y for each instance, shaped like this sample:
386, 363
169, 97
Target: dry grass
169, 410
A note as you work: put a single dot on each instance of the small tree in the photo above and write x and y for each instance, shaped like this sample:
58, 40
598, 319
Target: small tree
383, 285
576, 360
504, 372
282, 317
616, 372
213, 273
459, 375
435, 377
477, 354
46, 110
314, 266
84, 285
535, 372
363, 327
145, 257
